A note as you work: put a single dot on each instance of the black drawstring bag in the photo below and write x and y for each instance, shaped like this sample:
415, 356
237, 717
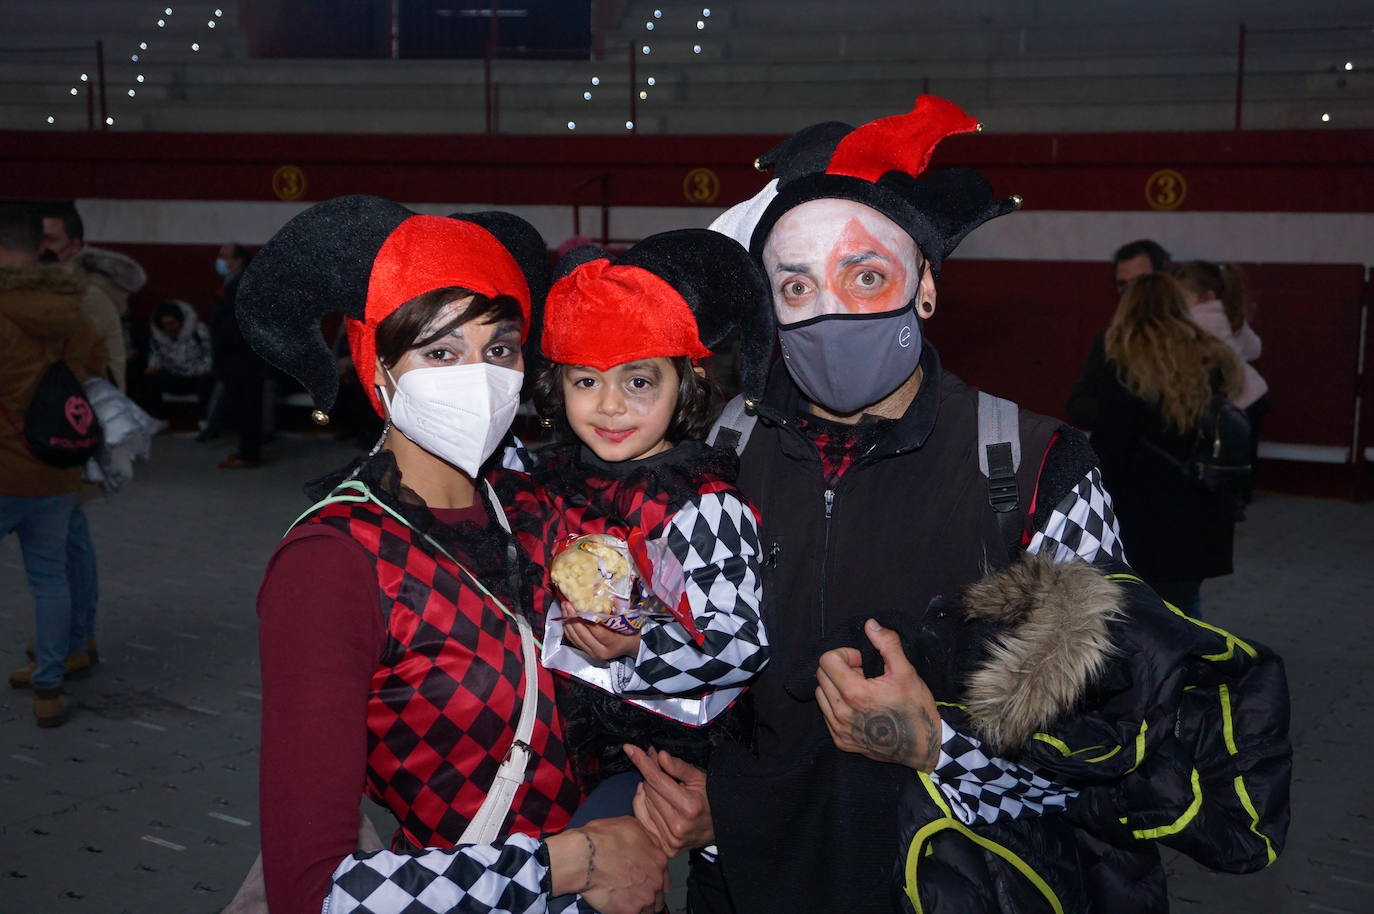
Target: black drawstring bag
60, 426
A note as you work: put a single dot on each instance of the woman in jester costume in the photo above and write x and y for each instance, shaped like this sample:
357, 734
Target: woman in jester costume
398, 659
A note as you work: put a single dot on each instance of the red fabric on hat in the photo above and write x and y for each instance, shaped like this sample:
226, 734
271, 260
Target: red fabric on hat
903, 142
425, 253
603, 314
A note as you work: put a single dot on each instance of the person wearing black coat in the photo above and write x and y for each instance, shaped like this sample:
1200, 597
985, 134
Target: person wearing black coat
1177, 532
236, 365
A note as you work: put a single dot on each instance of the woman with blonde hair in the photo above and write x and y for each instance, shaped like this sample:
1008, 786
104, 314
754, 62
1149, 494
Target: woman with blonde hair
1217, 302
1163, 371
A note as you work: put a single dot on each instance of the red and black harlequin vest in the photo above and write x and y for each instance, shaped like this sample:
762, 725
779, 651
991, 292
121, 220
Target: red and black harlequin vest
447, 692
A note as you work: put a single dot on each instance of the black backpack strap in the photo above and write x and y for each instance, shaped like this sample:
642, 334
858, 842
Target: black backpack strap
732, 430
999, 457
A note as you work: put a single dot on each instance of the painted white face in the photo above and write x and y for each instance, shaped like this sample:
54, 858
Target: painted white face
622, 413
839, 257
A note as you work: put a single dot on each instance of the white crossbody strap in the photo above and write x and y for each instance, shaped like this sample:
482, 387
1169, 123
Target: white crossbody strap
485, 826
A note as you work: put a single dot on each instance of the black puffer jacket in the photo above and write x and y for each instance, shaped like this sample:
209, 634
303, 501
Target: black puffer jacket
1174, 731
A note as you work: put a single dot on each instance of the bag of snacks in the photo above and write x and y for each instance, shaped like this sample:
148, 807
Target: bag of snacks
621, 583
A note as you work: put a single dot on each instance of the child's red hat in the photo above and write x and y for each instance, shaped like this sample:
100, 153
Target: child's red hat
679, 293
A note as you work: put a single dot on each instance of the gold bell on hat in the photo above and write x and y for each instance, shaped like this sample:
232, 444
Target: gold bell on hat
319, 417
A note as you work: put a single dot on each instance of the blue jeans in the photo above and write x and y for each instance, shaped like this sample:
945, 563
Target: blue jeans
44, 523
83, 578
612, 797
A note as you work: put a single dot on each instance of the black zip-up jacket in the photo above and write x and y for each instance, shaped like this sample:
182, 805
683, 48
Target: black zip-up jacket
800, 824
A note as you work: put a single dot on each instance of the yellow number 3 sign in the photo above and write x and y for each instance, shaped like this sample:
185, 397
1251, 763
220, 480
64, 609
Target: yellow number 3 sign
288, 183
1165, 189
701, 186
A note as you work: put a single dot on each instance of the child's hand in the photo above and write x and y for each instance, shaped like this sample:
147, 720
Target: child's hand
599, 641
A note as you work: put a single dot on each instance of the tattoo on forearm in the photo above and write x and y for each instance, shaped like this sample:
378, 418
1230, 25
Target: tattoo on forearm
591, 863
932, 747
887, 734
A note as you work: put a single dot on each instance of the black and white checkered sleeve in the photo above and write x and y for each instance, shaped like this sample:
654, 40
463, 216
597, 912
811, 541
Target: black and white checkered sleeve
510, 876
1082, 525
716, 540
515, 456
983, 789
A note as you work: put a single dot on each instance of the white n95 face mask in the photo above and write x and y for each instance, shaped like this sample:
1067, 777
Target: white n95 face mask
459, 413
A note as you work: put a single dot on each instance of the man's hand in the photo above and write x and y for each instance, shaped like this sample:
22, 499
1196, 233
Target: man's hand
890, 718
599, 641
671, 804
612, 863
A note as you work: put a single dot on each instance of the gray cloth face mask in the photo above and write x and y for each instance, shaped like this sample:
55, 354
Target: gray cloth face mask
845, 362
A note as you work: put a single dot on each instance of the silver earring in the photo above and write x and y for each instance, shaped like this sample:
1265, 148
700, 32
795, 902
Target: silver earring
386, 430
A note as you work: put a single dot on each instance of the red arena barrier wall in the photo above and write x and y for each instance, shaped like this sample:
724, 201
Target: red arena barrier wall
1018, 302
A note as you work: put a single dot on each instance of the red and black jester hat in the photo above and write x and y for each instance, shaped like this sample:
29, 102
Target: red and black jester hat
678, 293
883, 165
364, 257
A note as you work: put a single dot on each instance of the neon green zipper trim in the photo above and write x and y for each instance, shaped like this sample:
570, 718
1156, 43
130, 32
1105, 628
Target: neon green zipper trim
920, 841
1229, 735
1064, 750
1179, 824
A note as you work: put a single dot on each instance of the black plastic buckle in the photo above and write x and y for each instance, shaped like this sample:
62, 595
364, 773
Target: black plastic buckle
1003, 494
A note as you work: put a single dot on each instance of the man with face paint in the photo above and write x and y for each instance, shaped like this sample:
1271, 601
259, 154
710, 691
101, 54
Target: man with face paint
939, 673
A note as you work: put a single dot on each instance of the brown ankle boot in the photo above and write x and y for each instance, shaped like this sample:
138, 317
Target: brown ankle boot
78, 666
91, 651
49, 707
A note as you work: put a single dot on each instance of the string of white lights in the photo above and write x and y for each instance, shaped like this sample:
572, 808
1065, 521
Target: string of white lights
137, 56
646, 49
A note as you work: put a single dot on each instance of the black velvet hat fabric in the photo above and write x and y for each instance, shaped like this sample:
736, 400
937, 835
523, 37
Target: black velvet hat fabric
317, 263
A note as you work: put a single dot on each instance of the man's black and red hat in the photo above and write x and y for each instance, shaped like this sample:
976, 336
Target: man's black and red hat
364, 257
883, 165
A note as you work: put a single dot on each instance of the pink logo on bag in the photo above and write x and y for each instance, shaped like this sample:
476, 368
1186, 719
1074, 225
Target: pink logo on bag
79, 414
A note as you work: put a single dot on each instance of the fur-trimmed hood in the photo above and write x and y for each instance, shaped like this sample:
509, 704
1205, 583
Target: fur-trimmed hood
120, 269
1049, 637
39, 277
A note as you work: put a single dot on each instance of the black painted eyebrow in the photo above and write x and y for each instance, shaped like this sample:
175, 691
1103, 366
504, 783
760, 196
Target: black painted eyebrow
643, 367
861, 257
793, 268
506, 329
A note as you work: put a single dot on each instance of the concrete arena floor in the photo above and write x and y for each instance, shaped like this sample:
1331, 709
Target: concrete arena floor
146, 800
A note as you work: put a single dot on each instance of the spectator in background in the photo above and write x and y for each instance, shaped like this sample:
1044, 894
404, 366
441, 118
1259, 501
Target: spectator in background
179, 356
40, 317
1215, 293
1139, 258
240, 371
1162, 370
108, 279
